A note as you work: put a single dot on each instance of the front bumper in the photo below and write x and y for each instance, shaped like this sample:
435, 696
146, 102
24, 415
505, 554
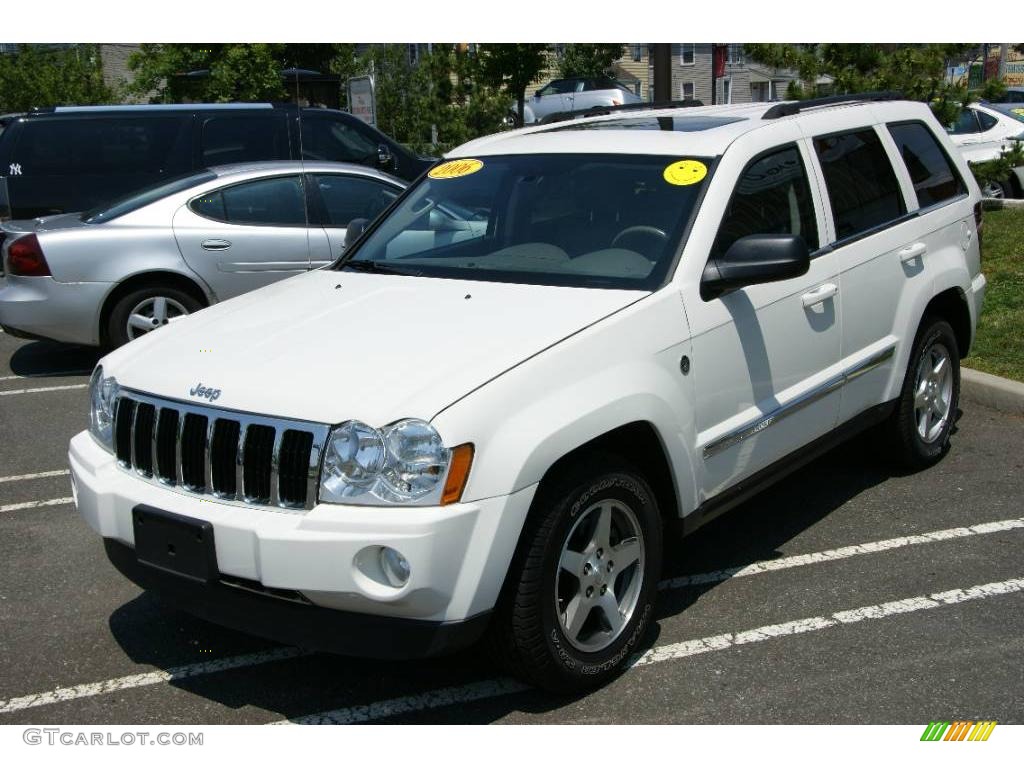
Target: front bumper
40, 307
458, 554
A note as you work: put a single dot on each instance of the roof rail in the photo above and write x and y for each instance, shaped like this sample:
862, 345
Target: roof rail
557, 117
788, 108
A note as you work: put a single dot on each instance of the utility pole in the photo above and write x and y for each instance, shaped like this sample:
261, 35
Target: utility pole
661, 64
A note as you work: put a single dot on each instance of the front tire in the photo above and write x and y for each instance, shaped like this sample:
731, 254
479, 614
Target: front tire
919, 431
583, 585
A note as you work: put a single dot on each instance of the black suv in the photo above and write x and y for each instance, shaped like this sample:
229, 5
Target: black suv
65, 159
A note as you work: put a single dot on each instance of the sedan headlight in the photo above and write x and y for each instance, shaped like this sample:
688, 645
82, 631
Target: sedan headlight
403, 463
103, 392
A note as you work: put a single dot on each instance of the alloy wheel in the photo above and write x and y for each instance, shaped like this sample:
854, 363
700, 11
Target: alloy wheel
152, 313
600, 575
933, 392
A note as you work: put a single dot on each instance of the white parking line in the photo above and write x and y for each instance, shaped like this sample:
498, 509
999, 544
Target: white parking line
34, 504
42, 389
48, 374
35, 475
443, 697
148, 678
829, 555
477, 690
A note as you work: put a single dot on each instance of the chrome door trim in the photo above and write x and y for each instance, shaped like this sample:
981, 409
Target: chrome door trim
762, 423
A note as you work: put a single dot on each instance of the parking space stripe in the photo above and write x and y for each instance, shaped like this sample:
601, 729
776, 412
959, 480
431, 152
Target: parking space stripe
35, 475
149, 678
42, 389
48, 374
830, 555
444, 697
34, 504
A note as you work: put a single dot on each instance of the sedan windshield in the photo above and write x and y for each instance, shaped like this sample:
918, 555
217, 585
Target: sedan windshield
601, 221
145, 196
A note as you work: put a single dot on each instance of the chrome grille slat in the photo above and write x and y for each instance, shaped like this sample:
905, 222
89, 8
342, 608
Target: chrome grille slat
278, 450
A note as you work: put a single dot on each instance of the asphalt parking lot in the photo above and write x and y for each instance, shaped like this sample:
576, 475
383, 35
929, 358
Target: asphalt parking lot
843, 595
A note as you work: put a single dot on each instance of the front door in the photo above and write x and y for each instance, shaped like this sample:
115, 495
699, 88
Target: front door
764, 356
247, 235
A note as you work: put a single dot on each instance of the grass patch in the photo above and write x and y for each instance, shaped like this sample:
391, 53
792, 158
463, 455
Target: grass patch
999, 343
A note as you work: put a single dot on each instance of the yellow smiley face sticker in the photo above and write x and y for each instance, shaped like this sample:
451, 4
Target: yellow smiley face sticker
682, 173
453, 169
1018, 112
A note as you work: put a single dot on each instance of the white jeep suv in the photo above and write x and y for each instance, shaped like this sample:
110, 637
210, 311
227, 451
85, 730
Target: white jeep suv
481, 420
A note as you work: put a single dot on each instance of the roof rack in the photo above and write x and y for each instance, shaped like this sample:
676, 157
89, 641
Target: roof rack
796, 107
557, 117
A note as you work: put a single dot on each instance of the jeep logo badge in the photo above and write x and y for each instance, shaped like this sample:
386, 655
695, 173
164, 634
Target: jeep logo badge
208, 392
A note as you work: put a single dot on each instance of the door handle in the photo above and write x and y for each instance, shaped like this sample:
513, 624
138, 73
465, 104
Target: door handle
912, 252
216, 245
819, 294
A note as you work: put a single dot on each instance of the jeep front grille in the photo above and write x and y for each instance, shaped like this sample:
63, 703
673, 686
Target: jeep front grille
228, 455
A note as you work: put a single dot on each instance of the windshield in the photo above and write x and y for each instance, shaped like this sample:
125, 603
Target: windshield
145, 196
602, 221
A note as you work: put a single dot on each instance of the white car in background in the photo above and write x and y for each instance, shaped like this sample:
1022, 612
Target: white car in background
982, 132
570, 94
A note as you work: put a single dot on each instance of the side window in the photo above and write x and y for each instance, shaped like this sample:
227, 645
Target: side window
930, 170
860, 180
987, 121
337, 141
772, 197
966, 123
240, 139
352, 197
270, 202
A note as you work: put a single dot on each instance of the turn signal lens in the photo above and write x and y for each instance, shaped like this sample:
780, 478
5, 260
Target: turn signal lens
25, 258
458, 473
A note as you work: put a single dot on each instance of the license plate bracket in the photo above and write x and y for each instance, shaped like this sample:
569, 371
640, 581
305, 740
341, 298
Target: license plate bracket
175, 543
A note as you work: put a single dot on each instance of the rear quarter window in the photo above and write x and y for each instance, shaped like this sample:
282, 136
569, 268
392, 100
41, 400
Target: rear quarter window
931, 171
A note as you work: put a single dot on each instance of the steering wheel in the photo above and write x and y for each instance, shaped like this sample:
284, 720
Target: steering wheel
640, 231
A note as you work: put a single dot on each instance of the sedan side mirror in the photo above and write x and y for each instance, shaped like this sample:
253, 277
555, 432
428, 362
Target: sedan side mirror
384, 156
755, 259
356, 227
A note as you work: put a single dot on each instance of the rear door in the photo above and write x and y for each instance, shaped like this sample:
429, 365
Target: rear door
249, 234
73, 162
342, 197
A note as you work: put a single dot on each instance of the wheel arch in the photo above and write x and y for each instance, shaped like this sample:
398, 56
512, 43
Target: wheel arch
145, 279
951, 305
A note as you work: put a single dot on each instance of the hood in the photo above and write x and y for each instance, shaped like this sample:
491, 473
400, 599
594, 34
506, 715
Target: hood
329, 346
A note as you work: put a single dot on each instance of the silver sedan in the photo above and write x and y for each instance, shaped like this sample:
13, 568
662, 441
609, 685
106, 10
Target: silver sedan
107, 276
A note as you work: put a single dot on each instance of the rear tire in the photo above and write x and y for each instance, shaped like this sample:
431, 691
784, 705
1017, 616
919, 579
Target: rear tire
147, 309
570, 616
919, 430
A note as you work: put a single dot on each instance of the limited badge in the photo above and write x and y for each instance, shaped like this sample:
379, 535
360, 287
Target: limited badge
682, 173
455, 168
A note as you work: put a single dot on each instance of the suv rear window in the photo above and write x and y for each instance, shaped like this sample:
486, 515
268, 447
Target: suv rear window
860, 180
931, 171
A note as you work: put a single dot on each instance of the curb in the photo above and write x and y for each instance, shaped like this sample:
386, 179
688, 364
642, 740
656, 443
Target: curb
995, 203
992, 391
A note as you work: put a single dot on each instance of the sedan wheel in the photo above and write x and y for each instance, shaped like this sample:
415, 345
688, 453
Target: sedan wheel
152, 313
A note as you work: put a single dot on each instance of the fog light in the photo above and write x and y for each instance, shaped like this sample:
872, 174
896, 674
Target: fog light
395, 567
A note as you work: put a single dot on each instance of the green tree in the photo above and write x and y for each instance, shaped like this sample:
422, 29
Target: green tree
43, 76
513, 66
589, 59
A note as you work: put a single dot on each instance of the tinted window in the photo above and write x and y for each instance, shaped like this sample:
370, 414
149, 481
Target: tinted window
966, 123
277, 201
559, 86
144, 197
239, 139
930, 170
135, 145
337, 141
860, 181
594, 220
772, 197
986, 120
352, 197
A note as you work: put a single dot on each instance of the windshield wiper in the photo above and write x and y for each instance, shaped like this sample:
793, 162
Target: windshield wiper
376, 267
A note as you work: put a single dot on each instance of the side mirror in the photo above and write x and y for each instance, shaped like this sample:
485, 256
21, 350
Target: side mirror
536, 94
755, 259
356, 227
384, 156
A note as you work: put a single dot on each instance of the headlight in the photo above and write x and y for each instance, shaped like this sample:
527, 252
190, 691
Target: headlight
403, 463
102, 404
